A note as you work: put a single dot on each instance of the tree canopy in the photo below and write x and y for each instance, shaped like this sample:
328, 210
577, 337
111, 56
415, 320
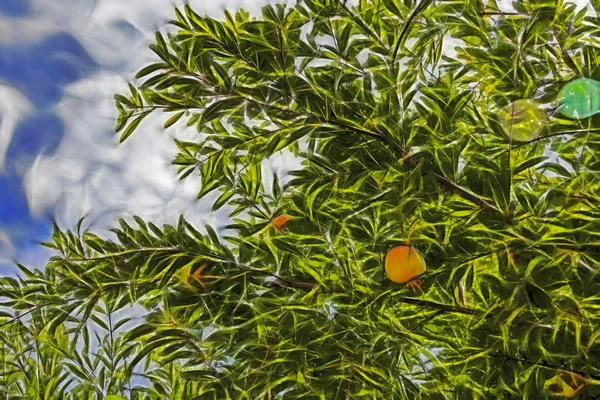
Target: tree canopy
431, 123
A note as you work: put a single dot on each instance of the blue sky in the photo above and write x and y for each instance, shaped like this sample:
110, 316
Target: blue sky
39, 70
15, 7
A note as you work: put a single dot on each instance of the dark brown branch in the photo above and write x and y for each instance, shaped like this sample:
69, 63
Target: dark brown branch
383, 136
454, 188
123, 253
418, 9
537, 139
436, 305
401, 299
285, 282
451, 186
361, 23
17, 317
448, 184
544, 364
498, 13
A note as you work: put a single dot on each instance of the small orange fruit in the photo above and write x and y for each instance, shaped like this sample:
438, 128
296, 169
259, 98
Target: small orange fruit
280, 221
186, 274
403, 264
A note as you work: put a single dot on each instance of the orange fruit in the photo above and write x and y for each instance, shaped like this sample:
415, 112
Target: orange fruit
403, 264
186, 274
280, 221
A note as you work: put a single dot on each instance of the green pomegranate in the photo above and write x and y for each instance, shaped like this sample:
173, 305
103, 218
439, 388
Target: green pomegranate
523, 119
580, 98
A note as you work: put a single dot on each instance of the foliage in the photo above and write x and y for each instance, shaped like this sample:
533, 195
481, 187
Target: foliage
396, 136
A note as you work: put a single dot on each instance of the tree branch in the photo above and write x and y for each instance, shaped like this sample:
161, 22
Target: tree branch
418, 9
436, 305
402, 299
451, 186
543, 364
285, 282
122, 253
562, 133
465, 194
361, 23
334, 123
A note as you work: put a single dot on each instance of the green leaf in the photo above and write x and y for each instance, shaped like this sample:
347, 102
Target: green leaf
555, 167
138, 332
217, 108
206, 188
125, 100
174, 119
153, 345
213, 235
135, 95
528, 164
122, 121
222, 200
150, 69
133, 126
538, 296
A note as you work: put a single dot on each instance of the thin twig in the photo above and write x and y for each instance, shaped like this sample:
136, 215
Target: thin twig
402, 299
436, 305
418, 9
543, 364
123, 253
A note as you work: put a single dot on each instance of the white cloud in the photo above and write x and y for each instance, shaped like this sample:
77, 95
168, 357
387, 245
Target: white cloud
581, 4
6, 248
506, 5
13, 107
90, 173
23, 29
110, 30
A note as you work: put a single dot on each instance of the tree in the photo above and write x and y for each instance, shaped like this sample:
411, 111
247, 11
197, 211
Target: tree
401, 144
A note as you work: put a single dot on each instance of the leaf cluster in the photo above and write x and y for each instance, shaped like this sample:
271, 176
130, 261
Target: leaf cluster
400, 142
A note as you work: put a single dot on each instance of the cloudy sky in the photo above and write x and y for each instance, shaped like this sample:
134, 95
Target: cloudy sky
61, 62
